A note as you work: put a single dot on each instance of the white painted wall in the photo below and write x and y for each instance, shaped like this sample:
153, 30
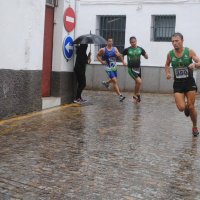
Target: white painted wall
21, 35
22, 28
138, 23
59, 62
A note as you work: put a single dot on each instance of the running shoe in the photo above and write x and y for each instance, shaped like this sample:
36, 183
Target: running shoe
83, 100
77, 100
187, 111
135, 98
106, 84
195, 131
121, 98
139, 98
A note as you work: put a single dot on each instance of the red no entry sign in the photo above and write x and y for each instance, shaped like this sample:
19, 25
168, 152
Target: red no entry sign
69, 19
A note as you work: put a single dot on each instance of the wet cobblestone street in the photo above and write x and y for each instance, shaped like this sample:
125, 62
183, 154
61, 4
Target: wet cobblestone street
103, 150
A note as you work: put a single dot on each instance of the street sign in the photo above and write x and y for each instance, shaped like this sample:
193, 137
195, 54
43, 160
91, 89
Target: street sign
68, 47
69, 19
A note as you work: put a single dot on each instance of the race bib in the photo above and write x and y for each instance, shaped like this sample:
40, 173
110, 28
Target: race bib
112, 62
136, 70
107, 68
181, 72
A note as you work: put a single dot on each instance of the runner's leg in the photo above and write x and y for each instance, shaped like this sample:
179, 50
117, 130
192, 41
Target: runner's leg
115, 85
110, 75
138, 83
191, 105
181, 105
180, 101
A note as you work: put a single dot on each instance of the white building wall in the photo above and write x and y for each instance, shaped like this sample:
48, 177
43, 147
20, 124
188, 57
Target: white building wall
63, 81
21, 35
138, 23
59, 61
21, 50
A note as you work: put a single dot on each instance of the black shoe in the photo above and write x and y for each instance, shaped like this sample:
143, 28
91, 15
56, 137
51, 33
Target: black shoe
195, 131
77, 100
139, 98
187, 111
121, 98
83, 100
106, 84
135, 98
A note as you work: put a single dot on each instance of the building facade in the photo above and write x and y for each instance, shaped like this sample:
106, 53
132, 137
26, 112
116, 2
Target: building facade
152, 22
34, 71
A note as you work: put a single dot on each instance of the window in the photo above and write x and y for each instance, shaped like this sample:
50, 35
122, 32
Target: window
113, 26
163, 27
52, 2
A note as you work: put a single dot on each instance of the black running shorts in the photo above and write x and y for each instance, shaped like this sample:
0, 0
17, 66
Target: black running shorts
185, 85
133, 73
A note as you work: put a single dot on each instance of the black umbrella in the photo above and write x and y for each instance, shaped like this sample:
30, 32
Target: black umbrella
90, 39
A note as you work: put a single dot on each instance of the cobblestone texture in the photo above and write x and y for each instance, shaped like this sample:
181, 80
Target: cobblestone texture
103, 150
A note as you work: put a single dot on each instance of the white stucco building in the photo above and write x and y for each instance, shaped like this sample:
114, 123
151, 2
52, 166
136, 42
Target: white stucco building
146, 20
32, 64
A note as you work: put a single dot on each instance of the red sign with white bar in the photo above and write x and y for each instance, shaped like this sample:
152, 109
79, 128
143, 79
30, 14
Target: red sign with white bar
69, 19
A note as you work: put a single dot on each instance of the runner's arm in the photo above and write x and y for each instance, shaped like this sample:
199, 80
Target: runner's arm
146, 56
167, 67
196, 59
120, 56
125, 51
89, 58
99, 56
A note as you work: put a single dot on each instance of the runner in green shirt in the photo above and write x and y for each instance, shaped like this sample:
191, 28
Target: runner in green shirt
133, 54
183, 61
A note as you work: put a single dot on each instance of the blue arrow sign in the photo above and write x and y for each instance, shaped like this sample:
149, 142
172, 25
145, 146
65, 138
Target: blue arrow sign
68, 47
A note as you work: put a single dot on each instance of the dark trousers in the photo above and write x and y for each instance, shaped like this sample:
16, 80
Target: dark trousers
81, 81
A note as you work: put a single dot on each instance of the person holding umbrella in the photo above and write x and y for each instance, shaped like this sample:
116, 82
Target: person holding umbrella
82, 59
80, 67
107, 56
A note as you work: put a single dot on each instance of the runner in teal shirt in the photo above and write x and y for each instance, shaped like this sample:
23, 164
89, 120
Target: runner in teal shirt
133, 54
183, 61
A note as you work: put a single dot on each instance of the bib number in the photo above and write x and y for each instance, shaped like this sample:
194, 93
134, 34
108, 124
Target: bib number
181, 73
111, 68
136, 70
112, 62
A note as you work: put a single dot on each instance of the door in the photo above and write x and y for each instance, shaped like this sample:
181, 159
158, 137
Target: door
48, 49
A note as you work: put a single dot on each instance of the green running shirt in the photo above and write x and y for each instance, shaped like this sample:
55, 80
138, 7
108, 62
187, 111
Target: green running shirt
180, 65
133, 56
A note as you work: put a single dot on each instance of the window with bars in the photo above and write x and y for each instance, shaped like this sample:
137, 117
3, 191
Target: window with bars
163, 26
112, 26
51, 2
